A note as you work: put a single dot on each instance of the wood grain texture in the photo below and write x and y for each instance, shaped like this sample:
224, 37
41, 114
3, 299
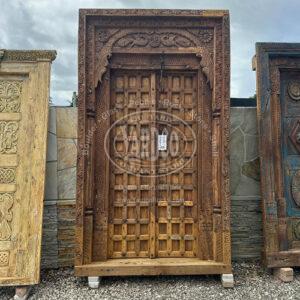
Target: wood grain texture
187, 213
277, 67
24, 96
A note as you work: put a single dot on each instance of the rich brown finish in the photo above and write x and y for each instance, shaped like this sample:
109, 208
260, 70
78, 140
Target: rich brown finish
148, 73
278, 93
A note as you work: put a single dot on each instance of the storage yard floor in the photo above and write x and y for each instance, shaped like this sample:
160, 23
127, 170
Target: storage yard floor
251, 282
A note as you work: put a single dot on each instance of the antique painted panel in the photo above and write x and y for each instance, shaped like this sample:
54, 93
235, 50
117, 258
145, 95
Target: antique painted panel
153, 169
278, 91
24, 97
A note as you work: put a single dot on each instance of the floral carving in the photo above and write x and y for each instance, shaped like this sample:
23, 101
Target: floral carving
8, 136
153, 39
177, 38
10, 92
204, 35
7, 175
6, 203
104, 35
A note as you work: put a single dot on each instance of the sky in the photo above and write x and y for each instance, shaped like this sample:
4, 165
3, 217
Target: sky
44, 24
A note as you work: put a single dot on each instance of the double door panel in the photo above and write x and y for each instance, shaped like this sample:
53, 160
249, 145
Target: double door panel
153, 164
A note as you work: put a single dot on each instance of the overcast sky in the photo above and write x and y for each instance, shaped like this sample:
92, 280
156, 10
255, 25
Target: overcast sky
53, 24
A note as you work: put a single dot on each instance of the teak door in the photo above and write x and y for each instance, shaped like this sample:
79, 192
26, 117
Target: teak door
278, 87
152, 185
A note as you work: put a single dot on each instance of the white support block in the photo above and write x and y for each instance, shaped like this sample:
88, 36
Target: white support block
94, 282
227, 280
22, 292
284, 274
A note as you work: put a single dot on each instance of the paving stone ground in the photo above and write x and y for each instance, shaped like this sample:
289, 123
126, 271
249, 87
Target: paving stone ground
251, 282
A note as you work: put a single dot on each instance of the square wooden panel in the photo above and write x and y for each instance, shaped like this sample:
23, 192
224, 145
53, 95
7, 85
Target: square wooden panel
129, 208
24, 98
278, 110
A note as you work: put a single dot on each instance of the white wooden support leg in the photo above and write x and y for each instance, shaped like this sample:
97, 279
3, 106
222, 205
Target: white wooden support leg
22, 292
227, 280
94, 282
284, 274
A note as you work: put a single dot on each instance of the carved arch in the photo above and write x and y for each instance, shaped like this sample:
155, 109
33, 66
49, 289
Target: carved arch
163, 38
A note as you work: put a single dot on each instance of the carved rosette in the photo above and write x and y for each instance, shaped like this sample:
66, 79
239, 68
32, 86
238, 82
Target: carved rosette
294, 90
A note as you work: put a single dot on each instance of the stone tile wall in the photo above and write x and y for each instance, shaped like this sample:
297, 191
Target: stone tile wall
59, 212
245, 185
59, 216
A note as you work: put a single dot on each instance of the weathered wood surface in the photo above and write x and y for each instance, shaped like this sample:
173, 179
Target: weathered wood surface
24, 97
278, 111
158, 266
59, 206
199, 224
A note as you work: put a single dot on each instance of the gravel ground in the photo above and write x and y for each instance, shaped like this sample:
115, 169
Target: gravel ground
251, 282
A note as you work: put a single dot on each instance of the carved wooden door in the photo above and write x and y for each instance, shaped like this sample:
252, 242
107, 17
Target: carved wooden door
290, 110
153, 184
152, 179
24, 100
278, 86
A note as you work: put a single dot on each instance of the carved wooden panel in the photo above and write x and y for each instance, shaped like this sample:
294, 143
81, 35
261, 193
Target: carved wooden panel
176, 227
152, 180
278, 88
24, 94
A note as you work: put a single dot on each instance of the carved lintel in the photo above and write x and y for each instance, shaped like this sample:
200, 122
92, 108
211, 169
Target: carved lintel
27, 55
155, 39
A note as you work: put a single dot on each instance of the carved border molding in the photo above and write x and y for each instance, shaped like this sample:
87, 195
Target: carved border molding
26, 55
156, 12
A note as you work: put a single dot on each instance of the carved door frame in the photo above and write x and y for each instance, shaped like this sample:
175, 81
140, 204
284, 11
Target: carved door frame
104, 33
271, 59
